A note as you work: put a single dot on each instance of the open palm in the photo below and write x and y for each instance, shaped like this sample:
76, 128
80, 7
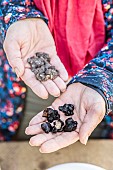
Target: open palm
89, 112
23, 39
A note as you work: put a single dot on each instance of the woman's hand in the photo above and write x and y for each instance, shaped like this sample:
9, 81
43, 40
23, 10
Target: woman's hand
89, 112
23, 39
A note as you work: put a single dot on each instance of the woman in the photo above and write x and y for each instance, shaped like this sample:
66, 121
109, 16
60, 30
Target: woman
78, 35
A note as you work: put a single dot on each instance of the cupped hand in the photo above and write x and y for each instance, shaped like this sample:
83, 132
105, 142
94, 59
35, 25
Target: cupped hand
23, 39
89, 112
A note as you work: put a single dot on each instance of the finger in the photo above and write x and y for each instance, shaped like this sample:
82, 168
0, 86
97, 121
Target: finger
58, 102
38, 118
52, 88
60, 84
34, 129
34, 84
93, 117
55, 61
13, 54
41, 138
61, 141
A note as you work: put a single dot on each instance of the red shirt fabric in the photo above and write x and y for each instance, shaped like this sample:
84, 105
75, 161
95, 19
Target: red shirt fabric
77, 28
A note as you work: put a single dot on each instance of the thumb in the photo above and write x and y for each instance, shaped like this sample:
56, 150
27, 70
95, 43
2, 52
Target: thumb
93, 117
13, 53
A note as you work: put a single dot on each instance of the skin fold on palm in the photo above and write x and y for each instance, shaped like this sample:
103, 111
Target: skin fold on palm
23, 39
89, 112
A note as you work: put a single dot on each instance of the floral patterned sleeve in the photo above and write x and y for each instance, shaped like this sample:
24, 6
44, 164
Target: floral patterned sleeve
12, 89
14, 10
98, 74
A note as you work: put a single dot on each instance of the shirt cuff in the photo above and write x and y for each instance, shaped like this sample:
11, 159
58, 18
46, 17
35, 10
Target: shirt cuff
94, 83
13, 12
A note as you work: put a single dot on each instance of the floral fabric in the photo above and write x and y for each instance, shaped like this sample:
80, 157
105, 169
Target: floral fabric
98, 73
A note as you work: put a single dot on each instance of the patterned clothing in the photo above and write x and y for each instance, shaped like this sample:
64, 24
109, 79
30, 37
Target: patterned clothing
97, 74
12, 90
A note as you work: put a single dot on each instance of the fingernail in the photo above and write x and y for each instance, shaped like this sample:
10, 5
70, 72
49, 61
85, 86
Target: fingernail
26, 131
40, 150
57, 95
17, 72
64, 90
85, 140
30, 144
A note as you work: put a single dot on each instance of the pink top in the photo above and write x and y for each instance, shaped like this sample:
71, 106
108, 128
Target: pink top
78, 29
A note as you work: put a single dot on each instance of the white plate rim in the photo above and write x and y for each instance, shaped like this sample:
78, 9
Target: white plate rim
77, 164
